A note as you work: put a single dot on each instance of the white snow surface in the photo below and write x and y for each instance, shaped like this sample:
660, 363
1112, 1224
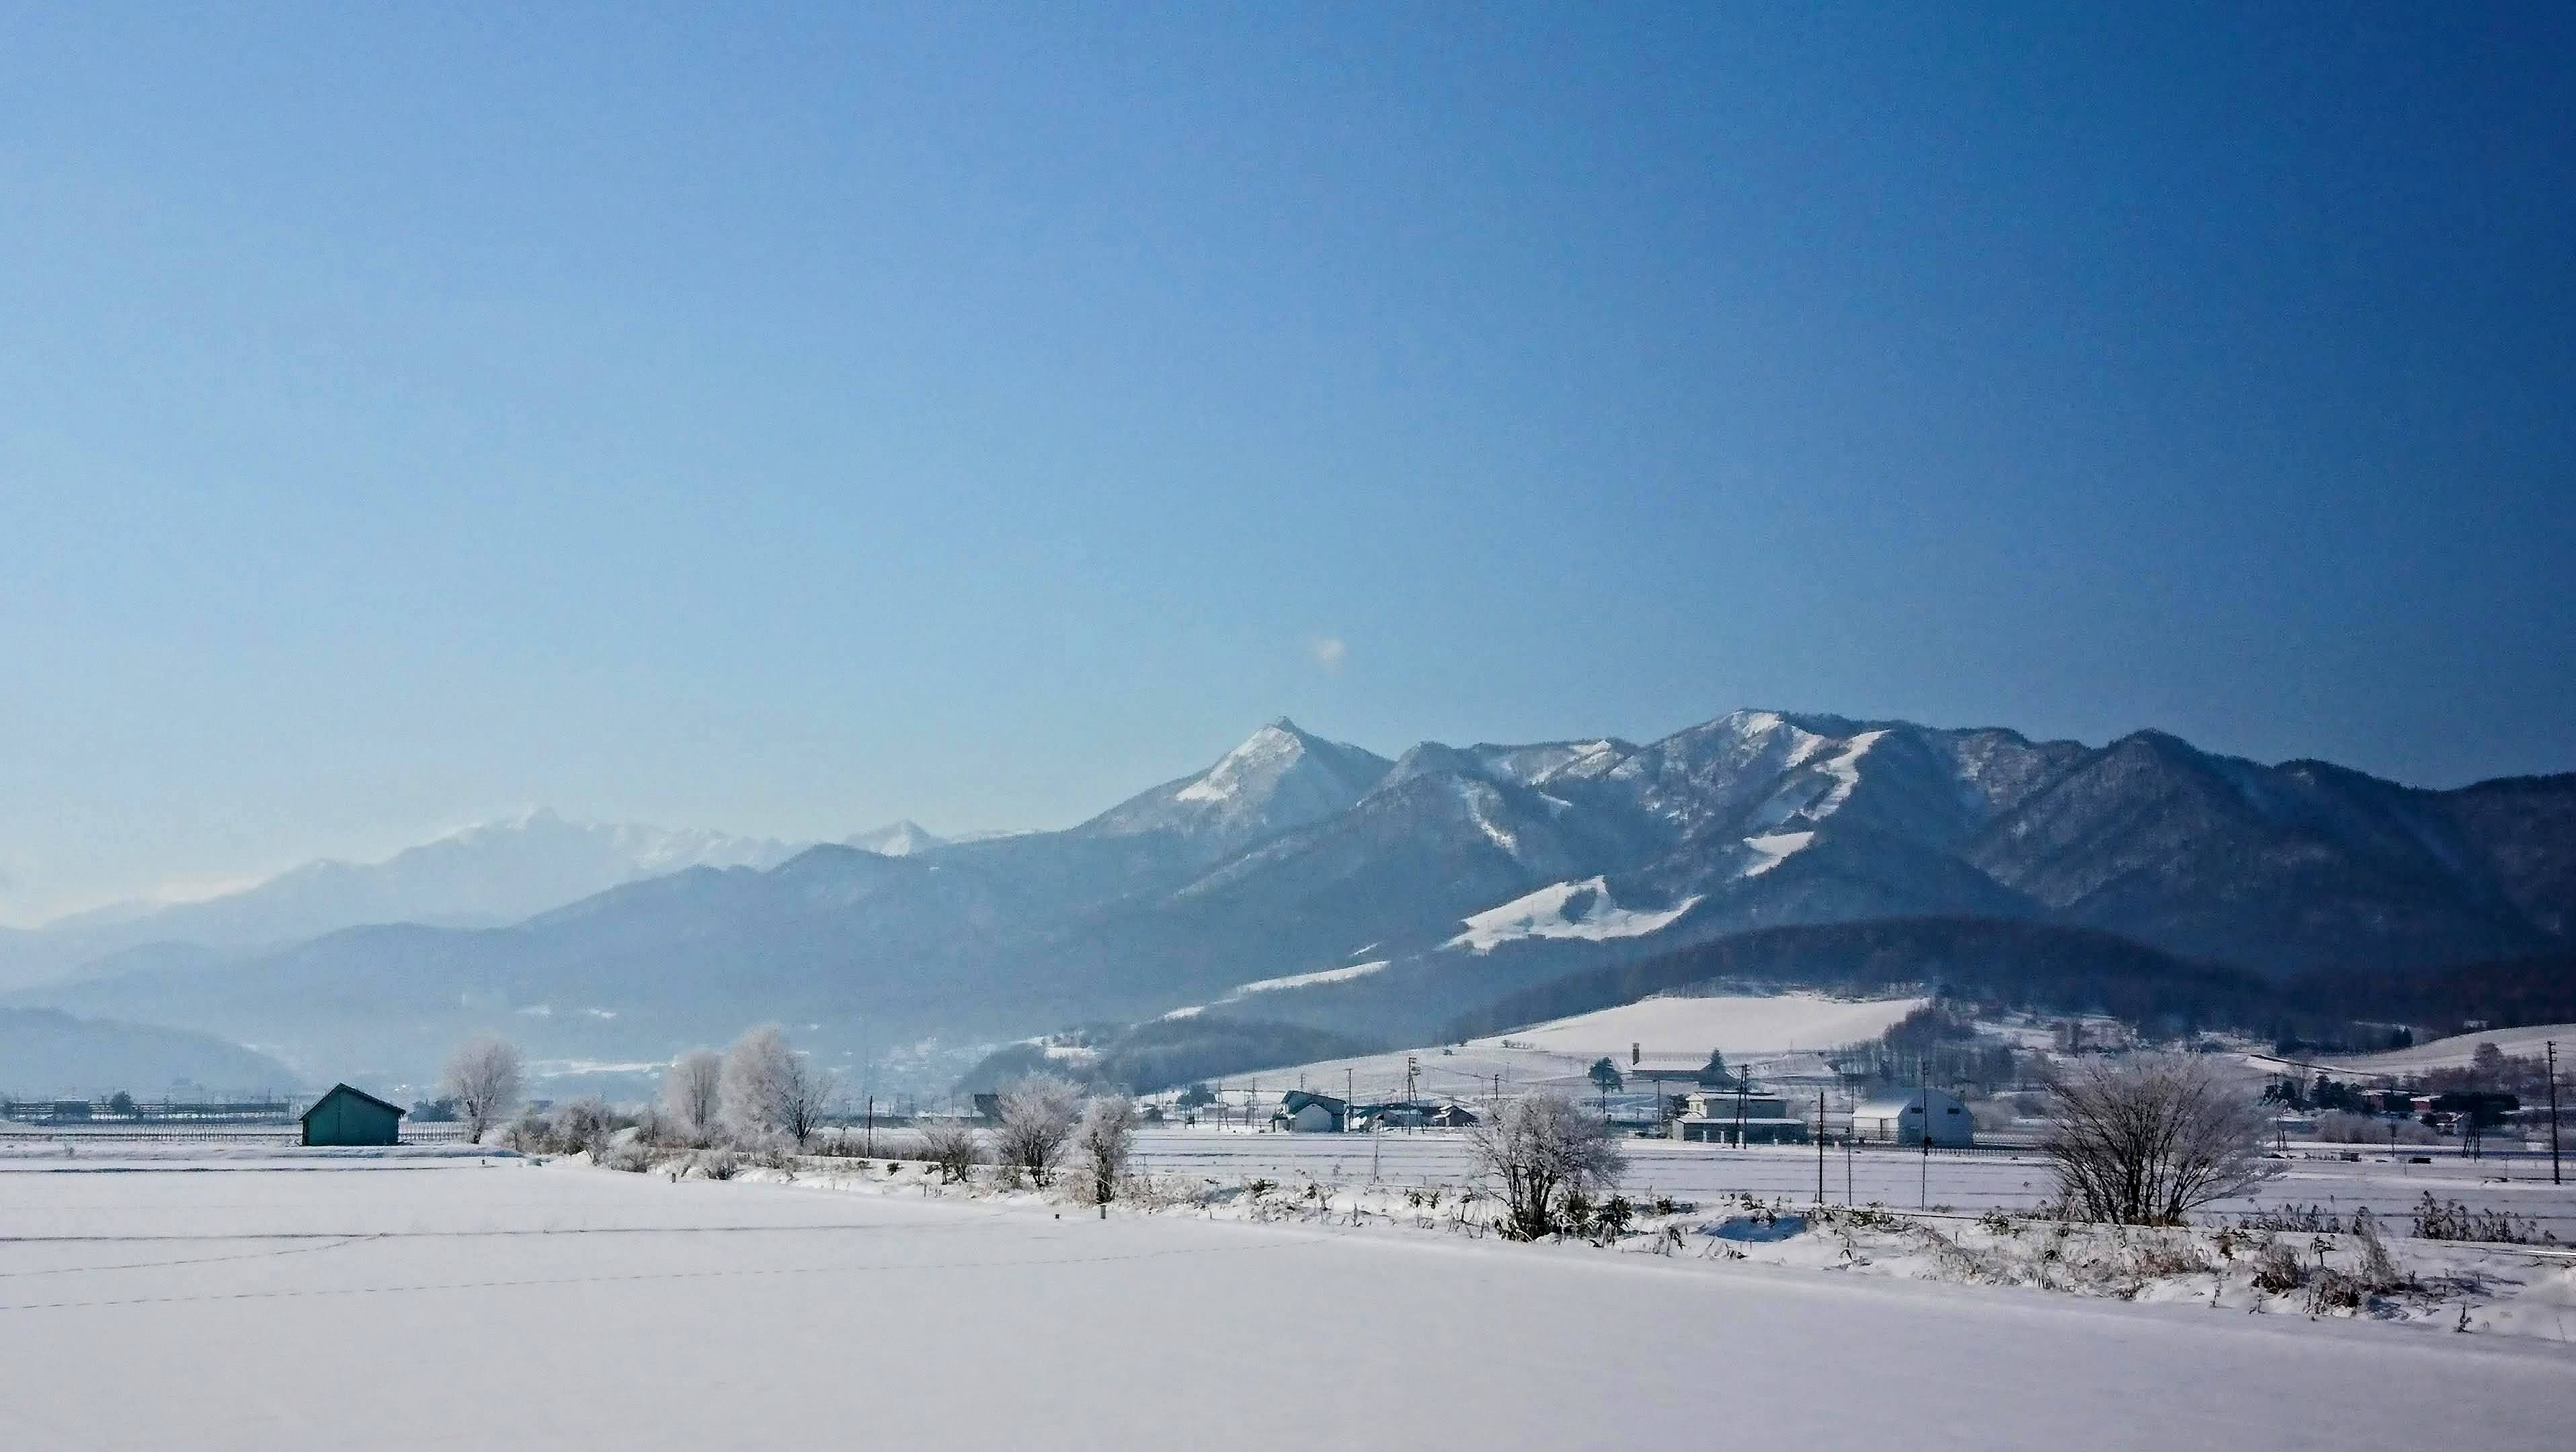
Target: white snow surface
704, 1314
1737, 1024
1306, 980
1544, 914
1770, 849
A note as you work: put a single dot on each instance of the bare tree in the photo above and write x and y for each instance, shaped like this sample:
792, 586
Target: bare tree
2148, 1138
770, 1089
1104, 1138
693, 1092
1539, 1149
1038, 1115
954, 1146
484, 1077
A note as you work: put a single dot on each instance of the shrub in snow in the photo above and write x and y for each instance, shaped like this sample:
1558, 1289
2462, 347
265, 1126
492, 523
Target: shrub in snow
1038, 1118
630, 1155
2147, 1139
2278, 1269
1103, 1138
582, 1126
2330, 1291
1538, 1149
531, 1134
954, 1147
2456, 1221
771, 1091
2377, 1272
483, 1077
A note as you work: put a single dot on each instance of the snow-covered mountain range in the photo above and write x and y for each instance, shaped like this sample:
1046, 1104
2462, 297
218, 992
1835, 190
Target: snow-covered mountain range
1334, 887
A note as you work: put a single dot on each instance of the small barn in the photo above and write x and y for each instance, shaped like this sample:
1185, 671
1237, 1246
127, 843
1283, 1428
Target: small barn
347, 1116
1899, 1118
1451, 1116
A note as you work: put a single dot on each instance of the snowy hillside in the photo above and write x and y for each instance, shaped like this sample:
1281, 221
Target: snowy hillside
1738, 1025
1559, 1055
2456, 1051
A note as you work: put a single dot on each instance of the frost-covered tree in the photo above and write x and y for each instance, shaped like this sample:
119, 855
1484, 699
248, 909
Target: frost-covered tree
484, 1077
1104, 1138
693, 1092
1038, 1117
1605, 1078
583, 1126
1539, 1149
2146, 1139
768, 1089
953, 1146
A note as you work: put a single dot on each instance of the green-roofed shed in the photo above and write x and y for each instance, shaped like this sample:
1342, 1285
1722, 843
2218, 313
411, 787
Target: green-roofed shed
347, 1116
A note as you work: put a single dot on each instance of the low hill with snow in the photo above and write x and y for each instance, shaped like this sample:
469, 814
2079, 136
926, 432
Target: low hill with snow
2456, 1051
1738, 1025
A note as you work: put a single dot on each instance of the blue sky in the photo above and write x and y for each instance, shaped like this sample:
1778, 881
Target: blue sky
408, 414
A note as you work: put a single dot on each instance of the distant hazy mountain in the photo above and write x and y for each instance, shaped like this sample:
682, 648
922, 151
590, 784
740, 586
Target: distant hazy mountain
44, 1054
898, 839
1303, 881
497, 872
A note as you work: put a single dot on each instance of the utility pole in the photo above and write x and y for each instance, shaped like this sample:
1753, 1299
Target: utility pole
2553, 1114
872, 1124
1924, 1194
1820, 1146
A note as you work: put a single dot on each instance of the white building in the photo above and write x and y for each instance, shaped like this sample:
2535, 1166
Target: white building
1898, 1119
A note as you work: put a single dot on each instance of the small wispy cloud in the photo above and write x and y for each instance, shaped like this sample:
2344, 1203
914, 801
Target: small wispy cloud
1329, 652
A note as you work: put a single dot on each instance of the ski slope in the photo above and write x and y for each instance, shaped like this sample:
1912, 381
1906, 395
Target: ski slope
510, 1306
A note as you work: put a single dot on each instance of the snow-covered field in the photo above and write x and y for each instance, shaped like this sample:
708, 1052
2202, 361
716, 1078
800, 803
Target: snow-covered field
2456, 1051
1970, 1183
507, 1305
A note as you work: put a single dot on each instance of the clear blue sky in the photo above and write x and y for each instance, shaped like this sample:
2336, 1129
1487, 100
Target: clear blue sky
409, 413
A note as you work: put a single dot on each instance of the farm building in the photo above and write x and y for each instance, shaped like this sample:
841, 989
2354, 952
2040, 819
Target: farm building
1304, 1113
1389, 1116
1744, 1119
1898, 1119
347, 1116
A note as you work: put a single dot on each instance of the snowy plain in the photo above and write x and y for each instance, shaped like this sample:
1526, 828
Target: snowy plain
458, 1303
